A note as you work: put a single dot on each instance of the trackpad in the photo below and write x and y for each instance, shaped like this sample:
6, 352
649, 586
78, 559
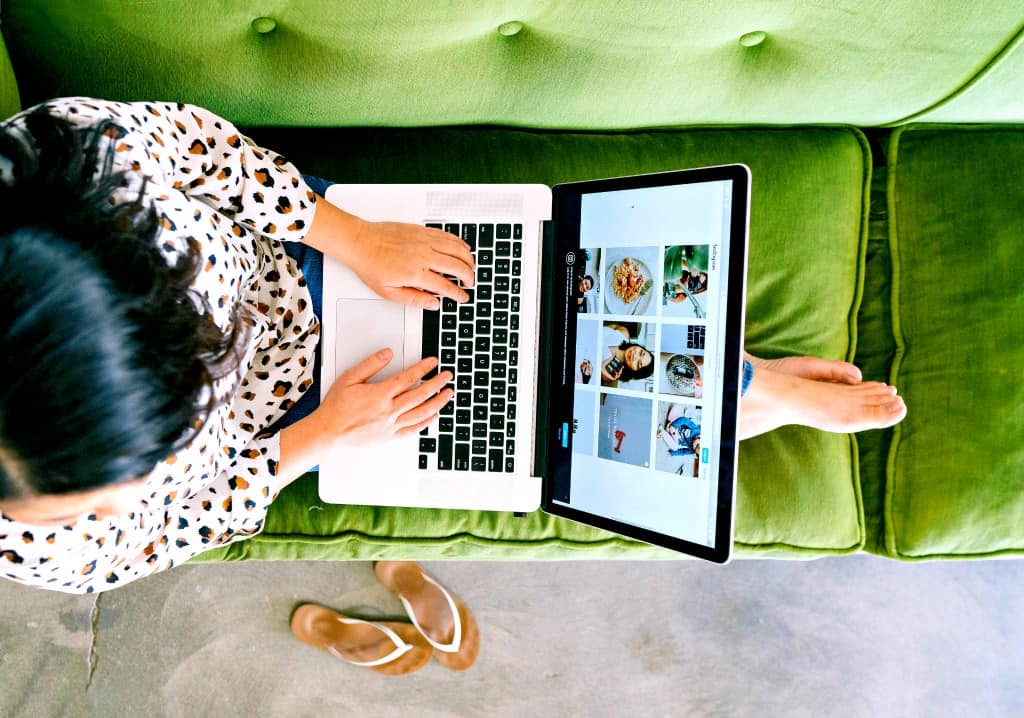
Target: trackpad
366, 326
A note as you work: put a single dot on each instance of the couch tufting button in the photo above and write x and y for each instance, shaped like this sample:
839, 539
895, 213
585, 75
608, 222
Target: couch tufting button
509, 29
753, 39
264, 25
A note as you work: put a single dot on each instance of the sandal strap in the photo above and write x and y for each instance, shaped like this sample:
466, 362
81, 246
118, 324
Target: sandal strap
452, 647
401, 647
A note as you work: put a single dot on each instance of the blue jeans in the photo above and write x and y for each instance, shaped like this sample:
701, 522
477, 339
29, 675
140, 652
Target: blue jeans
748, 375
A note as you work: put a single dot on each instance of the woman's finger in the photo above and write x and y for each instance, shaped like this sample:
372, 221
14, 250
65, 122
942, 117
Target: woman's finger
419, 394
433, 282
401, 381
369, 366
424, 412
446, 264
455, 247
416, 428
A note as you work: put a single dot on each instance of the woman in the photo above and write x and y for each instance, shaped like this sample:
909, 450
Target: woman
153, 328
159, 338
626, 360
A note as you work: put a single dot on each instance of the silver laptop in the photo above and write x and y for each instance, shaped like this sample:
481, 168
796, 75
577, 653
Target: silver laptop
577, 385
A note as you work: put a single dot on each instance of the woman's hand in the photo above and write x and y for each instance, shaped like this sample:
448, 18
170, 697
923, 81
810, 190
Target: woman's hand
355, 412
406, 262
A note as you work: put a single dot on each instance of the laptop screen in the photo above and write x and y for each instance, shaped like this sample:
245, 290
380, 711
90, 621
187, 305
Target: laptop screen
653, 384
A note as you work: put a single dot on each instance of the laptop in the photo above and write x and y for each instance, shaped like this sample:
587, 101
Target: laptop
579, 385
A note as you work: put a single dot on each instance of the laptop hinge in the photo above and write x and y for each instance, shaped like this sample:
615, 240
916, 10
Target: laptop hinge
542, 403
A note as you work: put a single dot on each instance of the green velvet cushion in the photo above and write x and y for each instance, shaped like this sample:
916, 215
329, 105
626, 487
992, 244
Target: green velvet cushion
956, 218
798, 492
570, 65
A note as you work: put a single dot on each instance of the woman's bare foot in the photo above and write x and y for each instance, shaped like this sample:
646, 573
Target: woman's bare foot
811, 368
776, 398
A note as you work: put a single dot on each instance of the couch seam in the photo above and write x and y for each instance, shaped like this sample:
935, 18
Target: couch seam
553, 541
974, 80
897, 334
855, 308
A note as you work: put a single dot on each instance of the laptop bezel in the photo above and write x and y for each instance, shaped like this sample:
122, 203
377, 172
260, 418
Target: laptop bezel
566, 254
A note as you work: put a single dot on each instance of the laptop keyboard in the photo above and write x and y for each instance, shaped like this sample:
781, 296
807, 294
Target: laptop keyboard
478, 342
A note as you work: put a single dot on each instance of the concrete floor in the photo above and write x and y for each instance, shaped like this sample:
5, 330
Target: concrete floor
853, 636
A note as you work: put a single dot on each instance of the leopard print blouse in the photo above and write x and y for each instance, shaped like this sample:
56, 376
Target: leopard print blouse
240, 201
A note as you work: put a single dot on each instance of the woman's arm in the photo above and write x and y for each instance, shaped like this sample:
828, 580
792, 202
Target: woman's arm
402, 262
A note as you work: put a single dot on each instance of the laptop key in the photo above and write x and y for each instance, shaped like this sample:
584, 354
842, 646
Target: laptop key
469, 235
517, 231
428, 446
480, 431
452, 229
462, 457
423, 461
444, 452
495, 460
510, 465
504, 231
431, 324
485, 236
479, 447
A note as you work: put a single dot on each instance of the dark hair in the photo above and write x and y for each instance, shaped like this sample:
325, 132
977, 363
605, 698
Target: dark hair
628, 373
107, 354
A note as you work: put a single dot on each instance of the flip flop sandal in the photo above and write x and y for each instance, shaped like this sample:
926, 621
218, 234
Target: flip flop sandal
456, 646
391, 648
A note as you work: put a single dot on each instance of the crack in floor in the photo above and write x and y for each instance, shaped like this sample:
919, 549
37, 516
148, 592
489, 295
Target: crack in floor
94, 622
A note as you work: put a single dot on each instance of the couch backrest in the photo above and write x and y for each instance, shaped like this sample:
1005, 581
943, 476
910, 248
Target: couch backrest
535, 63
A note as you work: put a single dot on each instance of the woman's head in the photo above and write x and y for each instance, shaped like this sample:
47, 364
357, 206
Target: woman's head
637, 361
107, 356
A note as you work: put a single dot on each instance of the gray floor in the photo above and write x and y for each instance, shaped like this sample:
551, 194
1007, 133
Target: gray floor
855, 636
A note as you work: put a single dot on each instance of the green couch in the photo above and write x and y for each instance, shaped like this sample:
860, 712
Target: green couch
887, 211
